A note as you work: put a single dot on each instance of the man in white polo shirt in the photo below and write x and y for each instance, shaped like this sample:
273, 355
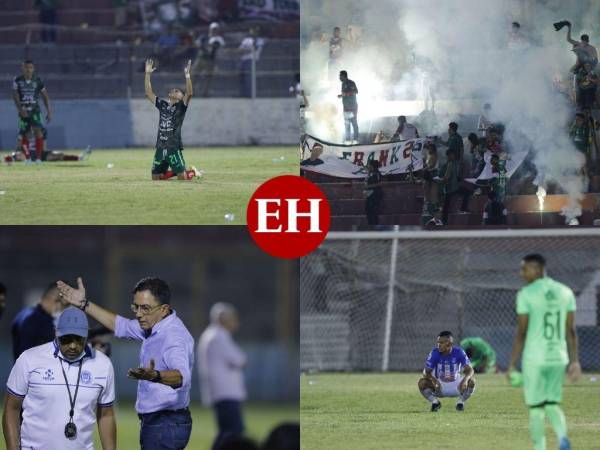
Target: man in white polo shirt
63, 387
221, 363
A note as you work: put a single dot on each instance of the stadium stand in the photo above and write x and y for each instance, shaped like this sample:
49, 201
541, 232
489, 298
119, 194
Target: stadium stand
403, 199
92, 58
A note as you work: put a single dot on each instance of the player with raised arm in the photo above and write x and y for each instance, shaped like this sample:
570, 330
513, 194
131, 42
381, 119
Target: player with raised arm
168, 142
27, 89
442, 374
546, 330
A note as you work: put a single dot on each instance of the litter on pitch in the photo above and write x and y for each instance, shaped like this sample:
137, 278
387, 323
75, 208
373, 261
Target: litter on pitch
229, 217
2, 192
110, 165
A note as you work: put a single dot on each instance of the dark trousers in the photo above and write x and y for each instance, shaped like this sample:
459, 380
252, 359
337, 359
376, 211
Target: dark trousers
372, 208
354, 124
165, 430
229, 420
246, 78
48, 17
464, 206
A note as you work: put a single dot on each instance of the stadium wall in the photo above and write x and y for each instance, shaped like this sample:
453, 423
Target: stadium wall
133, 123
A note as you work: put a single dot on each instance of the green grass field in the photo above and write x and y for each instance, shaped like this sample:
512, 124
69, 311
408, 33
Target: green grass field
89, 193
260, 419
386, 411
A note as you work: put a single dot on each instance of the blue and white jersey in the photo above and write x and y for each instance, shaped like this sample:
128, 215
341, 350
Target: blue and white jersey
447, 368
37, 378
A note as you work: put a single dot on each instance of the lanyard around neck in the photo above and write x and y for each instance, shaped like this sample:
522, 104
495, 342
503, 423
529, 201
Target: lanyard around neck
73, 399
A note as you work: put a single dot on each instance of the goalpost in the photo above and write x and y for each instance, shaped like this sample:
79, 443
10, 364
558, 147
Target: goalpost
375, 301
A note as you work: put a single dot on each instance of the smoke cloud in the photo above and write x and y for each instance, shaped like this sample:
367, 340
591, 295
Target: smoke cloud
456, 53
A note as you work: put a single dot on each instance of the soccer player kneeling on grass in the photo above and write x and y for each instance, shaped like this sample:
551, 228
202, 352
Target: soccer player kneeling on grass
546, 328
168, 142
442, 374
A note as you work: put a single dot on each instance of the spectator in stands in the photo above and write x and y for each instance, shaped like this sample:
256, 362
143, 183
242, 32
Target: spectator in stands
315, 153
47, 17
579, 133
492, 142
516, 40
580, 136
405, 130
477, 161
120, 7
165, 50
450, 183
186, 51
484, 119
250, 50
187, 13
431, 199
301, 97
594, 127
587, 83
499, 180
380, 137
206, 62
373, 192
494, 212
167, 12
348, 96
336, 50
584, 51
455, 142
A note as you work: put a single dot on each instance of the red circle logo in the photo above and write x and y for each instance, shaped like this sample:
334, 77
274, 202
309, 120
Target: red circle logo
288, 216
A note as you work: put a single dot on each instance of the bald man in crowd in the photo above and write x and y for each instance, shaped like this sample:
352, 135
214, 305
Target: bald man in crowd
221, 363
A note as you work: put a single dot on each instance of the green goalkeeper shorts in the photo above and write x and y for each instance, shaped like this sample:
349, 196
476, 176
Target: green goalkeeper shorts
165, 158
543, 383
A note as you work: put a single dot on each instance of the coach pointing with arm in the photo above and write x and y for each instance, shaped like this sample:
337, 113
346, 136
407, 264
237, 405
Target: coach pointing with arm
166, 359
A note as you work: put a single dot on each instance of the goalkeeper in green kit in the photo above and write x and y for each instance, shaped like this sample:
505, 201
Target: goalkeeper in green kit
546, 330
481, 354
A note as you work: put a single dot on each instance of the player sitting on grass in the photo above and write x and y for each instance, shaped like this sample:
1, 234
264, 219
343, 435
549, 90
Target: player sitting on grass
168, 142
547, 337
442, 374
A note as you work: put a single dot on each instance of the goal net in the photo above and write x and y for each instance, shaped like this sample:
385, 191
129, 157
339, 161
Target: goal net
373, 301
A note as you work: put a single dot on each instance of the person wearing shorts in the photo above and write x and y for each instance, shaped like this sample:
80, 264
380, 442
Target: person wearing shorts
547, 337
447, 373
168, 157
